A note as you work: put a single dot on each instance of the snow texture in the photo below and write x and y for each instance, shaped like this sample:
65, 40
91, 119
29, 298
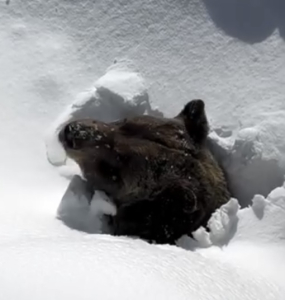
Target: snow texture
164, 54
254, 155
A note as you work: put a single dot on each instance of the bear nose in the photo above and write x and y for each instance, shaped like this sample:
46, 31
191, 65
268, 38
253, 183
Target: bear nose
69, 139
66, 136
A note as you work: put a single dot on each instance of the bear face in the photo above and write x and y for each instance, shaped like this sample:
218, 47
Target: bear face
158, 171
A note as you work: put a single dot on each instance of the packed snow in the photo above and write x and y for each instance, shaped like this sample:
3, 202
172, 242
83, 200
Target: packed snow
53, 244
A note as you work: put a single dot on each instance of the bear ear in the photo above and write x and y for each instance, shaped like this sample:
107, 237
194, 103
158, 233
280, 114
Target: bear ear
194, 109
194, 117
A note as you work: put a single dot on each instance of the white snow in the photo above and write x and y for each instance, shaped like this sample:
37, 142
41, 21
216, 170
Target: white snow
166, 54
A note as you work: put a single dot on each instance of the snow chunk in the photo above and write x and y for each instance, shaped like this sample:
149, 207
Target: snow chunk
258, 205
81, 210
129, 85
222, 227
202, 237
262, 223
101, 204
223, 223
54, 151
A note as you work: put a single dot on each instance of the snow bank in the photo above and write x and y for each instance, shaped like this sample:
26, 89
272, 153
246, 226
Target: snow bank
102, 267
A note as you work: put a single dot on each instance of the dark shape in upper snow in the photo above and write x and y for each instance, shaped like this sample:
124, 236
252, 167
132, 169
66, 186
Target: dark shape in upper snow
250, 21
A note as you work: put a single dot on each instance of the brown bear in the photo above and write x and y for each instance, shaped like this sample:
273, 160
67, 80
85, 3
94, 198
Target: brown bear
158, 171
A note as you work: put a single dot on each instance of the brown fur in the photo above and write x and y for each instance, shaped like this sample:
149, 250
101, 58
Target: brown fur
158, 171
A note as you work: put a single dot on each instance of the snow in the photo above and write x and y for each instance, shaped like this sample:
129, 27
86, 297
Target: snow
161, 54
253, 154
81, 210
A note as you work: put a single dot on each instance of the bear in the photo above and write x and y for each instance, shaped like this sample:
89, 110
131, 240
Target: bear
158, 171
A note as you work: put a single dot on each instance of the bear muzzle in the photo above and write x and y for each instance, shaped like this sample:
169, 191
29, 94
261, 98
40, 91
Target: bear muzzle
77, 135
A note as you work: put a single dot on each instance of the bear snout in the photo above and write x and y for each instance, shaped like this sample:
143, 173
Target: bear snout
72, 135
87, 133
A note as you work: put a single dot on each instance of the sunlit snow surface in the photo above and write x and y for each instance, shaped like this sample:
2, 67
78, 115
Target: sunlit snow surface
50, 52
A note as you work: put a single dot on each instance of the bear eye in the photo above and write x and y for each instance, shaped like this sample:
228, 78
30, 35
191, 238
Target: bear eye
107, 169
129, 128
